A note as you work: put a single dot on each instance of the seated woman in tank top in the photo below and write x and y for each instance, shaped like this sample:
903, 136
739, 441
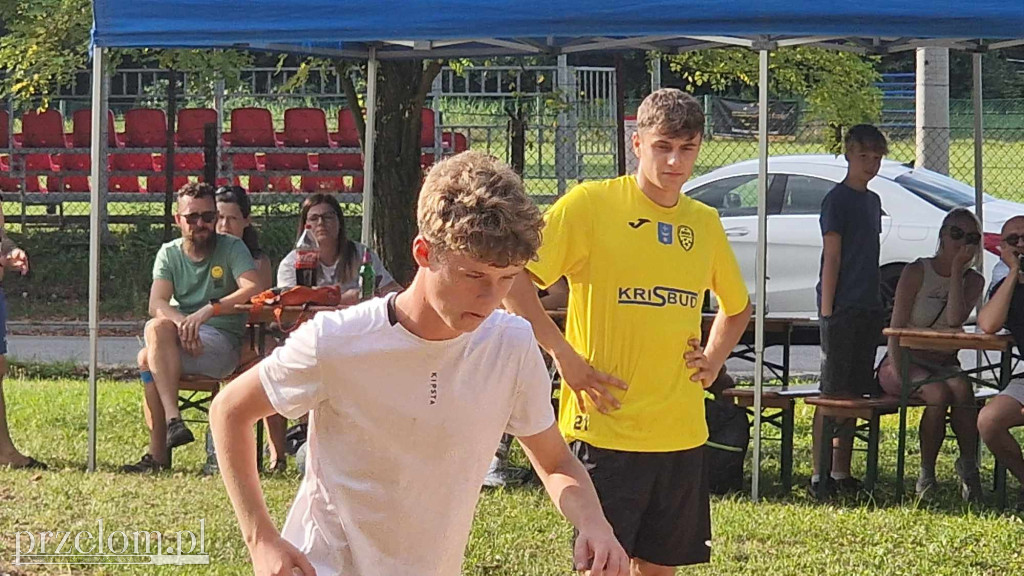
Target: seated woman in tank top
940, 292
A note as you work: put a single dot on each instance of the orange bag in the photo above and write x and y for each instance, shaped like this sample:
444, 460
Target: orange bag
303, 296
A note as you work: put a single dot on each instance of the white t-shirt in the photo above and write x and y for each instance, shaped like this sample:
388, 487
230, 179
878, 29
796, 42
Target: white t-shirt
401, 434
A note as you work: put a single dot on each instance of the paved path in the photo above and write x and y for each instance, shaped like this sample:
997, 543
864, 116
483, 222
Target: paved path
115, 350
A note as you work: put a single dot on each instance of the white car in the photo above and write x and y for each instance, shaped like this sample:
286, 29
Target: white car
914, 202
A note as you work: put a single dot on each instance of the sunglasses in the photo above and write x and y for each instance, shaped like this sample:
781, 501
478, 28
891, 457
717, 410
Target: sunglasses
195, 217
957, 233
1013, 239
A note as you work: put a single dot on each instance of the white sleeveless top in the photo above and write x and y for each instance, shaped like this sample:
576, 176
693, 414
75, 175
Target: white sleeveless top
929, 310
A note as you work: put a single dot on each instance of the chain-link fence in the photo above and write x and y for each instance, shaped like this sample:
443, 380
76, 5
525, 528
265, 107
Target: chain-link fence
556, 124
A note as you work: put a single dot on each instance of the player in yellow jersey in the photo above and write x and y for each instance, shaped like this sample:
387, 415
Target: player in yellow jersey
639, 256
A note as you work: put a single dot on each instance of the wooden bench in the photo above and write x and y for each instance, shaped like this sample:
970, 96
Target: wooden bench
781, 402
870, 410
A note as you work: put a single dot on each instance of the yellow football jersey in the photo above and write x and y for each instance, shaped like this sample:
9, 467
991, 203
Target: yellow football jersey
637, 274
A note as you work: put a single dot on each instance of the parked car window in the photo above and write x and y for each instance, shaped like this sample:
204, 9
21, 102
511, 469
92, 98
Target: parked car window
733, 196
940, 191
804, 194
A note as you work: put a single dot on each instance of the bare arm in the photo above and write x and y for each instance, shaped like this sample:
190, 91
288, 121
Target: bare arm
569, 486
992, 315
160, 301
726, 332
963, 297
232, 415
832, 251
264, 273
522, 300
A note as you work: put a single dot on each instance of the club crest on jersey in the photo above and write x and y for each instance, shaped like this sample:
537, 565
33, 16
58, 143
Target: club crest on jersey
665, 233
685, 236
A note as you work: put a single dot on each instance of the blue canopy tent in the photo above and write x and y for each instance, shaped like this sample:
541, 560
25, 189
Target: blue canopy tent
386, 29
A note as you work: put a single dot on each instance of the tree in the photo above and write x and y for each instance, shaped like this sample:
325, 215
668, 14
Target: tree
402, 88
44, 44
838, 87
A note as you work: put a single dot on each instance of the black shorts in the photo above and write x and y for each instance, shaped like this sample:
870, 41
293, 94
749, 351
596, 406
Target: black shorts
849, 341
657, 502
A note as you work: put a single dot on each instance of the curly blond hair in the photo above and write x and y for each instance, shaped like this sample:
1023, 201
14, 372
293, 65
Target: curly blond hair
671, 112
476, 205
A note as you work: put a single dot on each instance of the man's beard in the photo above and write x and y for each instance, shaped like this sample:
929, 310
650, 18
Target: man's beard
203, 245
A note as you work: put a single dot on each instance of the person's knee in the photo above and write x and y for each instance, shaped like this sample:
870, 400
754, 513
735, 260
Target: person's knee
962, 391
937, 394
161, 331
991, 422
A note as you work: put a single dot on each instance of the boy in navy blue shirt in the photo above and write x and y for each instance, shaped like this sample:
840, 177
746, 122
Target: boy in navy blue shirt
849, 302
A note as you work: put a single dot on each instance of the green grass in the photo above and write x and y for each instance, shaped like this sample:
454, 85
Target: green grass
516, 532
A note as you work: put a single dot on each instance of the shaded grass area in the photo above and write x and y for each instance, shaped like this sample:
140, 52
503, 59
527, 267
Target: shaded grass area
516, 531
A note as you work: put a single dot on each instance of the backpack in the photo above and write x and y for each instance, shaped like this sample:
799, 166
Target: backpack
728, 439
303, 296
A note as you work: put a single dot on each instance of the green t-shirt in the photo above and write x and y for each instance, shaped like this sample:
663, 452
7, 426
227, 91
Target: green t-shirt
195, 283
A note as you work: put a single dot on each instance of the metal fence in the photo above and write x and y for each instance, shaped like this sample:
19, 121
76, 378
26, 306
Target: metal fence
558, 123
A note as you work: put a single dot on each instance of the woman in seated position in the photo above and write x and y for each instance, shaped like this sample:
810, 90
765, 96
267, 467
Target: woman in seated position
233, 211
339, 257
939, 293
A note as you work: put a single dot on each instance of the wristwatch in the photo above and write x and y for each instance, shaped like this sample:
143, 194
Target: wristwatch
215, 304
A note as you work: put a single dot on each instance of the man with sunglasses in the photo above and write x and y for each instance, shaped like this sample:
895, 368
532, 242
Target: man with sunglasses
197, 281
1005, 308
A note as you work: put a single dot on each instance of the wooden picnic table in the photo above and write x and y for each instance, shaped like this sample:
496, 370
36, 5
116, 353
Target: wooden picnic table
910, 340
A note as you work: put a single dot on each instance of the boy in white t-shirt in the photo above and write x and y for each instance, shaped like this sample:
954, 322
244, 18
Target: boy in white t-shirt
409, 395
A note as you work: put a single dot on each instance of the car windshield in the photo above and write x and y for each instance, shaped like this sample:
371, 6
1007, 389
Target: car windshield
940, 191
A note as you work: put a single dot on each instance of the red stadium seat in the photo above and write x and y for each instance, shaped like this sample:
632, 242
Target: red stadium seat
42, 130
81, 137
253, 128
143, 128
7, 184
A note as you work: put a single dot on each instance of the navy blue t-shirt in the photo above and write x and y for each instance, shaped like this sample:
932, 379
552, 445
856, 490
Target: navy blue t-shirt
1015, 315
857, 218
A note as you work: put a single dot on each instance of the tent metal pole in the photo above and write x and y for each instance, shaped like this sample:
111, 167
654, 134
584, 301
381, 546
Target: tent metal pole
761, 275
98, 162
979, 135
369, 141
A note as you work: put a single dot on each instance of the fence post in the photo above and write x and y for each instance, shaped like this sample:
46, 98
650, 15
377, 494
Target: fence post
172, 113
211, 156
435, 99
565, 132
656, 72
933, 109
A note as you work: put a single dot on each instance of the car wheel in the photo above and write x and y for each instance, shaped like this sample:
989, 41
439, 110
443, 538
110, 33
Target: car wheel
890, 277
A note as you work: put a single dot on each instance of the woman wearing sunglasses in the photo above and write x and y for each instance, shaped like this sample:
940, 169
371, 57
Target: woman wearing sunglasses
940, 292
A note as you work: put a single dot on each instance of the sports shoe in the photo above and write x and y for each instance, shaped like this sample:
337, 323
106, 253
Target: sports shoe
146, 465
178, 434
970, 482
926, 485
848, 485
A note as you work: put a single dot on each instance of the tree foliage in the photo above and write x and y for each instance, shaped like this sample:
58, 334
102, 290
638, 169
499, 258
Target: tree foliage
44, 43
837, 87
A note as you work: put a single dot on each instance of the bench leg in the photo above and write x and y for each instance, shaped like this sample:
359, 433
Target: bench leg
874, 435
786, 449
828, 433
901, 450
999, 482
259, 445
